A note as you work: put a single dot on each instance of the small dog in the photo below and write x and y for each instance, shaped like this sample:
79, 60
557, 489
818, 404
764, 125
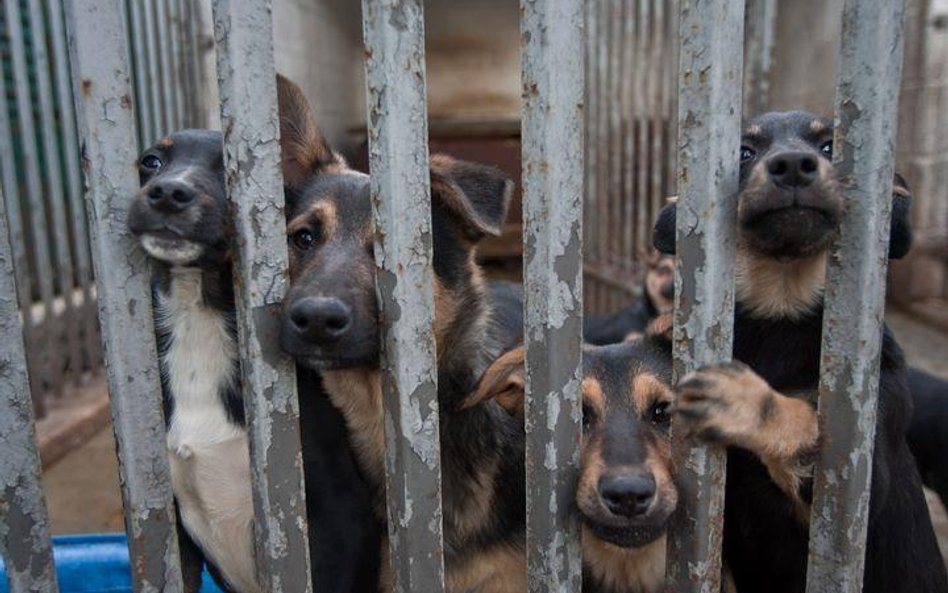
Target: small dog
331, 324
181, 217
789, 206
626, 492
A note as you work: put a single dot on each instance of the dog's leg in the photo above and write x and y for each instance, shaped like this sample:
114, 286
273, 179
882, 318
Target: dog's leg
730, 404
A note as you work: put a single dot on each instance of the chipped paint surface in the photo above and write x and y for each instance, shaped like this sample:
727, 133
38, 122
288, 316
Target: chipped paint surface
866, 107
99, 58
398, 156
709, 123
244, 35
553, 79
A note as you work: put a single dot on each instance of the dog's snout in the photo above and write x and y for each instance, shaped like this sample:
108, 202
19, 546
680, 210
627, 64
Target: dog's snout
320, 319
628, 495
170, 196
793, 169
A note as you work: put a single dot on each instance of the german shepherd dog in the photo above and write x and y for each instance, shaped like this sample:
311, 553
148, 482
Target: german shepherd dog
626, 492
789, 206
331, 324
181, 217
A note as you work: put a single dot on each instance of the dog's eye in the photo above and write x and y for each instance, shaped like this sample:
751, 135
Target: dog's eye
659, 413
827, 149
747, 154
303, 239
150, 163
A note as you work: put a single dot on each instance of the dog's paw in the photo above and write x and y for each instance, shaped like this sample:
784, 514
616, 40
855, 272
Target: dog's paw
726, 404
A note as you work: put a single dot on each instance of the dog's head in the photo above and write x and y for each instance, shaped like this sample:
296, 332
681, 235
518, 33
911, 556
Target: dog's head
789, 205
181, 214
625, 493
331, 315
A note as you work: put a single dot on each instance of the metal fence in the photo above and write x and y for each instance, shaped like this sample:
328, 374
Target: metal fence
708, 118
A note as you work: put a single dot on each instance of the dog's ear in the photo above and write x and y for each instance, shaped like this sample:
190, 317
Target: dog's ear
504, 382
660, 331
305, 150
663, 233
900, 231
475, 195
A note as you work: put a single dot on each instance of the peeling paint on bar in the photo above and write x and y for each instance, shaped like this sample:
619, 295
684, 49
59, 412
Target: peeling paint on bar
244, 35
398, 155
24, 525
553, 79
870, 69
709, 120
99, 58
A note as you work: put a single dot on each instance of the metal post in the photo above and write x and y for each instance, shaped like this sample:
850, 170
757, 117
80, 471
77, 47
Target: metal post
709, 125
152, 68
552, 131
244, 35
99, 57
24, 526
147, 108
169, 83
867, 92
759, 23
398, 157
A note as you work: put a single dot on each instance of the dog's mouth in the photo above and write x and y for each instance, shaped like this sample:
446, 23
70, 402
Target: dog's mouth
635, 534
319, 358
168, 246
790, 231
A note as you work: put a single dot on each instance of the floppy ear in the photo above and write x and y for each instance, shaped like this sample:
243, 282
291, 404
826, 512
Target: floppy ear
900, 231
305, 150
503, 382
663, 233
476, 195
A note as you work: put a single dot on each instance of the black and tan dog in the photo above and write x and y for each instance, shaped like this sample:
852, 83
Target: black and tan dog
181, 217
789, 206
626, 493
331, 323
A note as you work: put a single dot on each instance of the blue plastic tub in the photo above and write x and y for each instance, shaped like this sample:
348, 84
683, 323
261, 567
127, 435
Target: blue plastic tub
94, 564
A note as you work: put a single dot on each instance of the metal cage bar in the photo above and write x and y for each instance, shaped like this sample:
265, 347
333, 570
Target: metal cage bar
870, 69
99, 57
398, 158
709, 124
244, 36
553, 79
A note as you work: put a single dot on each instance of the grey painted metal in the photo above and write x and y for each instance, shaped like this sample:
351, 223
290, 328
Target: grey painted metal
244, 35
99, 58
398, 157
42, 268
870, 70
552, 130
709, 120
24, 526
759, 29
168, 83
152, 67
143, 91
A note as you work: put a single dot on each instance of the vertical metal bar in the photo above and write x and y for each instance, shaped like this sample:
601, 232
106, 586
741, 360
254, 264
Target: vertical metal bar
99, 56
643, 222
244, 35
867, 93
140, 56
759, 23
552, 131
185, 56
398, 157
152, 63
591, 198
24, 526
616, 80
167, 82
628, 149
709, 125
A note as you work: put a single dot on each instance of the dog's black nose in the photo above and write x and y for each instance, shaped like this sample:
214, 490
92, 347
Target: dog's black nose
793, 169
170, 196
628, 495
320, 319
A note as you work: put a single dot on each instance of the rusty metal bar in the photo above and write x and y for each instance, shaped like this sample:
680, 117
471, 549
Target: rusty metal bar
398, 158
552, 130
24, 526
759, 30
709, 127
244, 36
99, 57
867, 93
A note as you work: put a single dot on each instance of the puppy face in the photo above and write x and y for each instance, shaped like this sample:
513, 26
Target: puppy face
181, 214
789, 202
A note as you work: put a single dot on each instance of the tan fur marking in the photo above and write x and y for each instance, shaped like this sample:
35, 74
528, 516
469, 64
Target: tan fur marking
166, 142
647, 388
502, 569
817, 127
445, 312
774, 289
901, 192
503, 381
625, 570
593, 395
754, 130
476, 509
587, 487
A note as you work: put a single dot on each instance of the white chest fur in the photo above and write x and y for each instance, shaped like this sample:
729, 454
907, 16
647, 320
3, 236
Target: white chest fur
210, 467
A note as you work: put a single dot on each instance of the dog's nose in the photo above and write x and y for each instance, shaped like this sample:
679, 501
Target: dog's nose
628, 495
170, 196
793, 169
320, 319
668, 290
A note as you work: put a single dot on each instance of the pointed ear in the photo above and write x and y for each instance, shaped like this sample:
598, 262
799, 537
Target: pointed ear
305, 150
476, 195
663, 234
900, 230
504, 381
